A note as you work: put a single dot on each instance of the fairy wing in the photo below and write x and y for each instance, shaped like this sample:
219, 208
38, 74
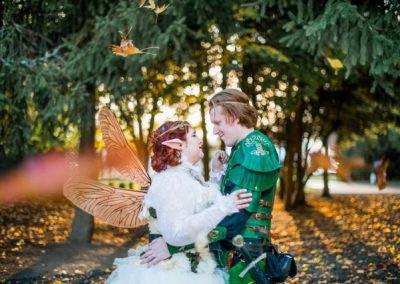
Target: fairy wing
117, 207
121, 155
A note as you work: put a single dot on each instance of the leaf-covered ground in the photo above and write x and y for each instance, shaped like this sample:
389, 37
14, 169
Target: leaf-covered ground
347, 239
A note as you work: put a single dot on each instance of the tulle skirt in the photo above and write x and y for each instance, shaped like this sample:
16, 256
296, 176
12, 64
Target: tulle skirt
175, 270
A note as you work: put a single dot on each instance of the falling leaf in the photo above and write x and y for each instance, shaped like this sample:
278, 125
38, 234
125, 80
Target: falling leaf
160, 9
126, 47
335, 63
156, 9
142, 2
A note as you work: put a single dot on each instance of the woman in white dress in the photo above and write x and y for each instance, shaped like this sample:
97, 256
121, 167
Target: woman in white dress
186, 210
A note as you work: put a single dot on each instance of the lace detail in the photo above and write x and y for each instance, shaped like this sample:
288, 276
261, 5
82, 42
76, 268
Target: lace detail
193, 170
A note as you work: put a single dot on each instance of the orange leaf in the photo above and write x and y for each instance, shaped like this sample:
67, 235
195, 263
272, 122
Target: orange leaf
125, 51
142, 2
160, 9
126, 47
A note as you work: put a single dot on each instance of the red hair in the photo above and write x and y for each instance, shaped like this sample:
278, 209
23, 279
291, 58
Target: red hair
162, 155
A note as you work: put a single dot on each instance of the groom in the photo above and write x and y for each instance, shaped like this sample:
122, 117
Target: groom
253, 164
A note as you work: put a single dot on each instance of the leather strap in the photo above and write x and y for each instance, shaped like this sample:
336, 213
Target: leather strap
264, 203
261, 216
260, 229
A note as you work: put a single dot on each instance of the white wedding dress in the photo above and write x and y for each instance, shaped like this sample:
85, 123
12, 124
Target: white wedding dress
187, 210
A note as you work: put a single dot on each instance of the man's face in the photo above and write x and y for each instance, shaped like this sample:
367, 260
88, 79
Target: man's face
225, 129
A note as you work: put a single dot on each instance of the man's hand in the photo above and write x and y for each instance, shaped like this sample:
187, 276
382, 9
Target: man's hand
241, 198
220, 158
156, 252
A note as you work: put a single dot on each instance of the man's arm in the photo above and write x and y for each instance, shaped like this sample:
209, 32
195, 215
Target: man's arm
234, 223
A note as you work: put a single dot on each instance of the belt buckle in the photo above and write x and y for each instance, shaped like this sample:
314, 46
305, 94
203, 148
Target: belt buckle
259, 216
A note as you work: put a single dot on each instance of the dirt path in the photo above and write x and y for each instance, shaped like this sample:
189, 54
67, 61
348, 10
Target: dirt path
76, 262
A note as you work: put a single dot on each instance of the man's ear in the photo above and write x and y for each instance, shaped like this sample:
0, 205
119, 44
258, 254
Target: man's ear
174, 144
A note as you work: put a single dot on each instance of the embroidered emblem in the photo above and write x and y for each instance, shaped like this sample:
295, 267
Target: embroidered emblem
258, 142
259, 150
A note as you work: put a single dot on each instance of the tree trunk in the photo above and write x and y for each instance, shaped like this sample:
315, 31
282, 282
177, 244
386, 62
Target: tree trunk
139, 109
281, 190
224, 77
288, 178
293, 172
248, 88
325, 190
83, 223
300, 166
154, 111
206, 158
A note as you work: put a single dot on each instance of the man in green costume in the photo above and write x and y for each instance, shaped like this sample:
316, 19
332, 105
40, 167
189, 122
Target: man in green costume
253, 164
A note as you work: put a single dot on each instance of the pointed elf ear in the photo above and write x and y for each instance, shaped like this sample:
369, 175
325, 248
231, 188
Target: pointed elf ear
174, 144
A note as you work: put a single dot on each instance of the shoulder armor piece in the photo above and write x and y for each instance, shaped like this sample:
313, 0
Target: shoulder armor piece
255, 152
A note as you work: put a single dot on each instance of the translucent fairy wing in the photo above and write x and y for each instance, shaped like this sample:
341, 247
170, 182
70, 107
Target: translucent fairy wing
117, 207
121, 155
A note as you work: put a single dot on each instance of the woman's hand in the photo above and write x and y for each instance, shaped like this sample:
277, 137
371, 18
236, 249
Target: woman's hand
241, 198
220, 158
157, 251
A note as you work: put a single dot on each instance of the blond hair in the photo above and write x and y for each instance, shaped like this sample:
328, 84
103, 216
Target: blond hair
235, 104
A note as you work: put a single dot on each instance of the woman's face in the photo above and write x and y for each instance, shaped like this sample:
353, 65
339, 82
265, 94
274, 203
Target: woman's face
193, 147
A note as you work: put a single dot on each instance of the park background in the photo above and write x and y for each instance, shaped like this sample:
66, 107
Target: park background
313, 70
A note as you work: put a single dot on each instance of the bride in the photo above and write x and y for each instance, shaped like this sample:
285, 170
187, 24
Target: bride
181, 207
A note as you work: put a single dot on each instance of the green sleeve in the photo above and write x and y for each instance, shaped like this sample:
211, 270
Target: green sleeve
258, 183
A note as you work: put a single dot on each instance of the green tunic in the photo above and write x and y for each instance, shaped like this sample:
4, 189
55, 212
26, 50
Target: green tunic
254, 165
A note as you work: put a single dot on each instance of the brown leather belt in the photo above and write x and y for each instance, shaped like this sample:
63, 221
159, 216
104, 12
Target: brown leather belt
261, 216
259, 229
264, 203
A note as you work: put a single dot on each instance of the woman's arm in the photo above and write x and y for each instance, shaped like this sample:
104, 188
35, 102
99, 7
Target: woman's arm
174, 201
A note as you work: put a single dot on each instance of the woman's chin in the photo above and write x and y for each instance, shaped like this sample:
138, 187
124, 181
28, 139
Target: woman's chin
198, 160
